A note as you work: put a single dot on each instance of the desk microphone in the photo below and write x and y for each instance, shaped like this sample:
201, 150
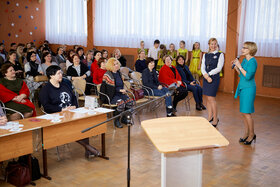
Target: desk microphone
233, 65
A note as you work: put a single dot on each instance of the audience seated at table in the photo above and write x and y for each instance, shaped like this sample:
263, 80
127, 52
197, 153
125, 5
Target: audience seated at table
100, 71
113, 86
14, 94
150, 79
168, 75
57, 96
192, 85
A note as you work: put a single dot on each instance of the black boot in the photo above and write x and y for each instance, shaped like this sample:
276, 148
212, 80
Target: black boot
198, 107
117, 120
117, 123
124, 120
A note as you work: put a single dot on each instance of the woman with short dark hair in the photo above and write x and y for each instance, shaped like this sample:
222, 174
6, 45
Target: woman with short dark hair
57, 96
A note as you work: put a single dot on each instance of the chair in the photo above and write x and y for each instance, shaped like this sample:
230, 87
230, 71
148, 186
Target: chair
125, 72
80, 87
10, 109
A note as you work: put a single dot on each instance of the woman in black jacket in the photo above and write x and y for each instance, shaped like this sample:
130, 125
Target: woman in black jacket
150, 79
113, 86
79, 71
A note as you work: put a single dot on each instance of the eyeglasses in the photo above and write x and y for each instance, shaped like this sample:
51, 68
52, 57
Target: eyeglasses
33, 55
244, 47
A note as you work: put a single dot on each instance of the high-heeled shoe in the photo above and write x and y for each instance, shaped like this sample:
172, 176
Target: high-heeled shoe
215, 125
211, 119
249, 142
243, 139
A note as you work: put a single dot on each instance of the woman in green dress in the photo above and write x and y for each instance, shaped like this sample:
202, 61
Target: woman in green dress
14, 94
246, 89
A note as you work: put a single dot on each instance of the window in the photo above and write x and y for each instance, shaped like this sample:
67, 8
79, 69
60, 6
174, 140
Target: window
124, 23
260, 23
66, 22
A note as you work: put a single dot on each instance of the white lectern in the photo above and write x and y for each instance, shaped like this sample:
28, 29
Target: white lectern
180, 140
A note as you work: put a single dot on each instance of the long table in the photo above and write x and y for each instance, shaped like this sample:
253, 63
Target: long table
54, 134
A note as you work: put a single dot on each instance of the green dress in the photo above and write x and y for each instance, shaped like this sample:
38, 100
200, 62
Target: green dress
246, 89
15, 86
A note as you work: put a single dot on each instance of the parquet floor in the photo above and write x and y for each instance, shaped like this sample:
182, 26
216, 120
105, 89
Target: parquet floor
235, 165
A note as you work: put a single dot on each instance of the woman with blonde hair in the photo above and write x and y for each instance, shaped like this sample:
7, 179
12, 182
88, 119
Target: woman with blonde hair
113, 86
212, 64
246, 89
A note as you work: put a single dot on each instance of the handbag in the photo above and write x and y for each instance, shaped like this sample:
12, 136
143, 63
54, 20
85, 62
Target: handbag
17, 174
138, 93
35, 172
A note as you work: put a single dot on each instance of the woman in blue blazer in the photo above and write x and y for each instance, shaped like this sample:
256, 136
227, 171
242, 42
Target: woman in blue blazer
246, 89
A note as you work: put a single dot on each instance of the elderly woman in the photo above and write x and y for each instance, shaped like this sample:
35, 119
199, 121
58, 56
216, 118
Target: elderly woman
47, 61
100, 71
150, 79
168, 75
117, 54
12, 56
246, 89
32, 69
113, 86
14, 94
188, 79
57, 96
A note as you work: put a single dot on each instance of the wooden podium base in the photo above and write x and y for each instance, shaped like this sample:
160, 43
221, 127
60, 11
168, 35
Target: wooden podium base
181, 169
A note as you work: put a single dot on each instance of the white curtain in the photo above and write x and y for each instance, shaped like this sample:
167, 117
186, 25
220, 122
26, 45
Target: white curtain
260, 23
66, 22
124, 23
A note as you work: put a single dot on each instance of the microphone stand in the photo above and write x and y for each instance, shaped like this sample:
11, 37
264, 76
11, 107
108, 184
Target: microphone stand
128, 114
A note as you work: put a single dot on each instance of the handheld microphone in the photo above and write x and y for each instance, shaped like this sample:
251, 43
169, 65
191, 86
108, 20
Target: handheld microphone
233, 65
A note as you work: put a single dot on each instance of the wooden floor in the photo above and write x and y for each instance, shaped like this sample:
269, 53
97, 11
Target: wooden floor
235, 165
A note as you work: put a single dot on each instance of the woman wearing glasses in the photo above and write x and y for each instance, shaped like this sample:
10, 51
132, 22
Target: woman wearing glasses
246, 89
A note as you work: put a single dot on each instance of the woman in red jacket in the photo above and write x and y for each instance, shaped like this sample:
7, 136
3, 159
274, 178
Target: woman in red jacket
100, 71
168, 75
14, 94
